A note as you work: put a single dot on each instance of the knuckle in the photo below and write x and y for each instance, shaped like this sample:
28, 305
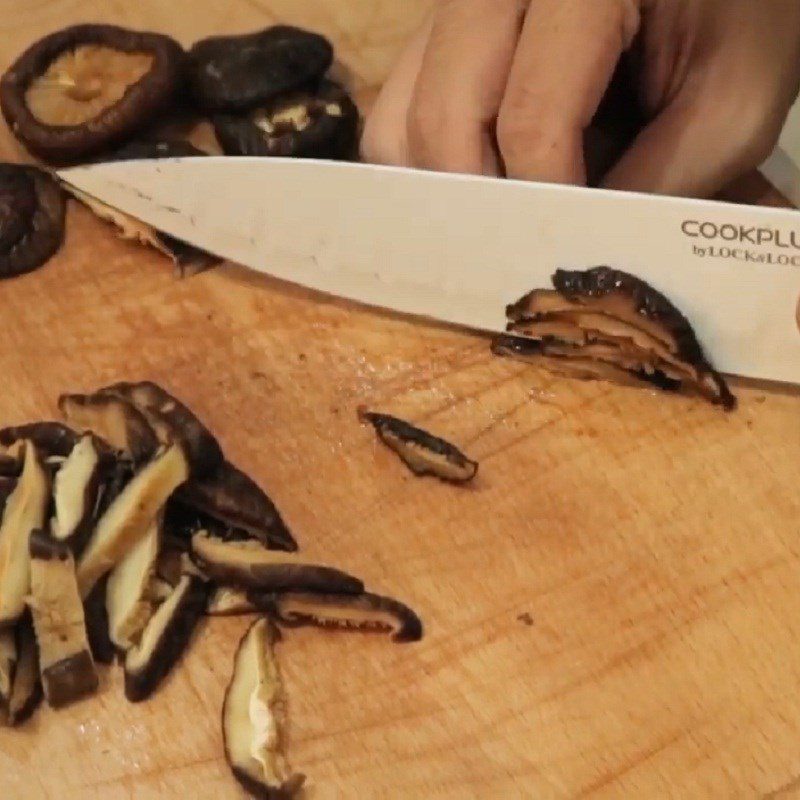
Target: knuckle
521, 135
428, 126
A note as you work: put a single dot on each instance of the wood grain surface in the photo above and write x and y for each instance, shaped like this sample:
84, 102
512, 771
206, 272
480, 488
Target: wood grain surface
611, 610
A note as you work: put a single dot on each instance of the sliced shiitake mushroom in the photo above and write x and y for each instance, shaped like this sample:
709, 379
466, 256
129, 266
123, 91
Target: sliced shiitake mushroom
77, 489
361, 612
313, 123
230, 496
188, 260
128, 600
114, 419
96, 616
82, 89
615, 319
235, 73
421, 452
253, 718
164, 638
249, 565
32, 209
26, 687
171, 421
226, 601
65, 660
25, 510
130, 515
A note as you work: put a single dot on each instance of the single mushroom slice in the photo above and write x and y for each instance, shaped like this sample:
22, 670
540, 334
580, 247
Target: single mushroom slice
171, 421
253, 718
50, 438
421, 452
130, 515
26, 688
226, 601
65, 660
322, 122
188, 260
96, 616
128, 599
84, 88
230, 496
361, 612
235, 73
25, 510
249, 565
114, 419
77, 489
164, 639
32, 211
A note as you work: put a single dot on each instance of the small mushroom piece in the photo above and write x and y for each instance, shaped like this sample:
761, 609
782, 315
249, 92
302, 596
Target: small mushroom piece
312, 123
253, 718
25, 510
77, 489
164, 639
114, 419
235, 73
421, 452
249, 565
128, 598
229, 602
231, 497
171, 421
26, 688
50, 438
96, 616
361, 612
65, 661
624, 323
130, 515
188, 260
84, 88
31, 231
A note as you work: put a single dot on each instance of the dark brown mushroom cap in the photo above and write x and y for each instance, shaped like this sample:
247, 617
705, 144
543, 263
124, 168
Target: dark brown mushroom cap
233, 498
153, 148
319, 123
29, 235
50, 438
140, 102
235, 73
17, 203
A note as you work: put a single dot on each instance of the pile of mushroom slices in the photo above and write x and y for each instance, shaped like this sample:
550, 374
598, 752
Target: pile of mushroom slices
124, 526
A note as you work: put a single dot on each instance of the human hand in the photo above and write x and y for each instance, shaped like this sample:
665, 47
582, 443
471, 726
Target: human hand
510, 86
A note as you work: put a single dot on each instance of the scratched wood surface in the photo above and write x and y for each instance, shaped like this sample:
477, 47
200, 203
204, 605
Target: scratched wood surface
611, 610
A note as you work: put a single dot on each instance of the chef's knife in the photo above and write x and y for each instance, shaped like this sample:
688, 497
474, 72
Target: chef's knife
458, 248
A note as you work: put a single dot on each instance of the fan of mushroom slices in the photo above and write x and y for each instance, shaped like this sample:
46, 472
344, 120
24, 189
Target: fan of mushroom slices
122, 527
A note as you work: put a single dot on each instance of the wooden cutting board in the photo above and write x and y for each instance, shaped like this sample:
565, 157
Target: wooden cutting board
612, 609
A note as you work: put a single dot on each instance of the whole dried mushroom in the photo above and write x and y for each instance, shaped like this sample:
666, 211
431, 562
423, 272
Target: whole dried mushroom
318, 123
236, 73
82, 89
32, 208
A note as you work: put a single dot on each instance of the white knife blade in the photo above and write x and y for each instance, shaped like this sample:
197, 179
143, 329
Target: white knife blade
458, 248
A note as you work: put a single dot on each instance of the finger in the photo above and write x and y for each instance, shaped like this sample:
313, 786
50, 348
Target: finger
460, 84
702, 141
385, 136
564, 61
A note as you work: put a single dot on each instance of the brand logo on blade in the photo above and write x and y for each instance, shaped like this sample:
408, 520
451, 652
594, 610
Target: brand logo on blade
715, 240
